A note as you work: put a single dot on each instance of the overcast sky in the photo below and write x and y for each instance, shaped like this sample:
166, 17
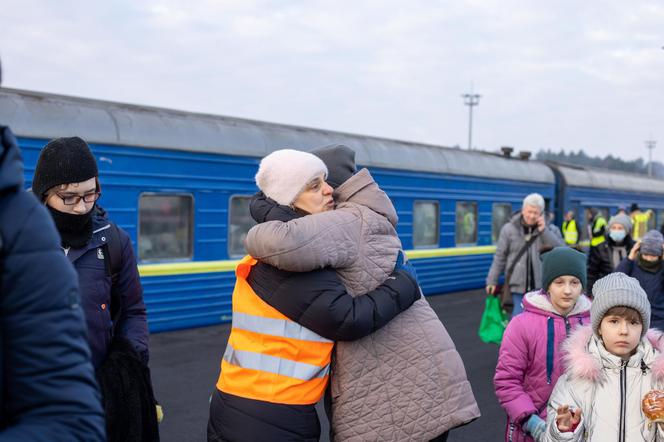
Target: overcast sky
563, 74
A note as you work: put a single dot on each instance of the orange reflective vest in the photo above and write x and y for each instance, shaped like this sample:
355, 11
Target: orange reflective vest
269, 357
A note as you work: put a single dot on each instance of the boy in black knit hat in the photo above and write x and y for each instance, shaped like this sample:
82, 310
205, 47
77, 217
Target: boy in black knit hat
66, 181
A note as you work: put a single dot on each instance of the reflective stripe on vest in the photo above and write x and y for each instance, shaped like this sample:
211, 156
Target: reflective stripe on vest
273, 364
570, 232
269, 357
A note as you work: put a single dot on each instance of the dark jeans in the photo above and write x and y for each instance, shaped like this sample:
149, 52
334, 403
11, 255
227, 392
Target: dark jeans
234, 418
516, 300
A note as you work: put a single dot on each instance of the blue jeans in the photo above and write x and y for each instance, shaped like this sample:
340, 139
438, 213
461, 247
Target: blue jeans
516, 300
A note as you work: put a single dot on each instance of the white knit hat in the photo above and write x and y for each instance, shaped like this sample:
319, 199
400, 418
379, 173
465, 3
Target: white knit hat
283, 174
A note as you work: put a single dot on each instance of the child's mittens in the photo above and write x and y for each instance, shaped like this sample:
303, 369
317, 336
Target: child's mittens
536, 426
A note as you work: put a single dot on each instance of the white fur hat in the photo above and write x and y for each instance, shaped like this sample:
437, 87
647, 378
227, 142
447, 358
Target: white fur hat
283, 174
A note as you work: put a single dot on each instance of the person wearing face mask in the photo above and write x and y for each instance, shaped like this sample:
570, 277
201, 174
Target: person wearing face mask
645, 264
66, 180
603, 258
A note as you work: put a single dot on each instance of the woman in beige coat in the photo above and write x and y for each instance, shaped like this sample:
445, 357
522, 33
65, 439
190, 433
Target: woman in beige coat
406, 382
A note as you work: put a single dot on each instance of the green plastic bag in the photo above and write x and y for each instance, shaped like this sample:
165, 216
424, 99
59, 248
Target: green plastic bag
494, 321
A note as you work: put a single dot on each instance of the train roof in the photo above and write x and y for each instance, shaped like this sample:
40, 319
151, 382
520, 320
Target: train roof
577, 176
42, 115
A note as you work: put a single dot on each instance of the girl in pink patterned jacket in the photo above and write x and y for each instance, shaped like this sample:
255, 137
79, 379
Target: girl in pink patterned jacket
529, 362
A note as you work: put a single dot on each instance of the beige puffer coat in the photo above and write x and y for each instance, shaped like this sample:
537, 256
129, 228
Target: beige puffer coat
405, 382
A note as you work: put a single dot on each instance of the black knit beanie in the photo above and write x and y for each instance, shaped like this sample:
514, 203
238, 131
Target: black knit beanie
340, 162
563, 261
63, 161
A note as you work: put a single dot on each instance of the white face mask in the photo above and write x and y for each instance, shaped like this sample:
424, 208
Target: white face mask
617, 235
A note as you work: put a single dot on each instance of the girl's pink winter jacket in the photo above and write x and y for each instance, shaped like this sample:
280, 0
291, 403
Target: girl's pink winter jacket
530, 362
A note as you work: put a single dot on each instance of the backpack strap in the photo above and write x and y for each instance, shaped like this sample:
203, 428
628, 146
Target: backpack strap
506, 295
522, 251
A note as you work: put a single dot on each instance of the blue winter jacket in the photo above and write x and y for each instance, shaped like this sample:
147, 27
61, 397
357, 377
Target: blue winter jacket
47, 387
94, 279
653, 284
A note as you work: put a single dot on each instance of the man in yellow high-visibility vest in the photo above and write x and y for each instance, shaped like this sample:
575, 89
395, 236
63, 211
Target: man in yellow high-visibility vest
597, 227
639, 221
570, 230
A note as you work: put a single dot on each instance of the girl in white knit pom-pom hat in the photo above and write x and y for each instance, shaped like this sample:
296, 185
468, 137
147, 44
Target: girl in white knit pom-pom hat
611, 366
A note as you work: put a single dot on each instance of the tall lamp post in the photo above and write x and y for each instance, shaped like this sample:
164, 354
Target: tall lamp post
650, 145
470, 100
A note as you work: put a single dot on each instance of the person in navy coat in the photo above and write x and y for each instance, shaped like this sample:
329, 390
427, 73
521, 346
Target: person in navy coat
48, 390
66, 180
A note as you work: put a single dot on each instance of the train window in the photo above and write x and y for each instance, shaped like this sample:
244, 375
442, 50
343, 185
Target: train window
240, 223
165, 227
466, 222
425, 224
500, 216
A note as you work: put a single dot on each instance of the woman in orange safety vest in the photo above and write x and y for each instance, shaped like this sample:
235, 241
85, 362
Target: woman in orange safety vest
277, 360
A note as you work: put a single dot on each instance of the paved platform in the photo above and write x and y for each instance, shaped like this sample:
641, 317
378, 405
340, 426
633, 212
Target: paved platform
185, 366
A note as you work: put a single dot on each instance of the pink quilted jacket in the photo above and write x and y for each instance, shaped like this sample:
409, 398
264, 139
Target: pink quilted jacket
530, 361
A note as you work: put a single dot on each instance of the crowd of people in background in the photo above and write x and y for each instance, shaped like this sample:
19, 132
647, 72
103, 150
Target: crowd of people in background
581, 357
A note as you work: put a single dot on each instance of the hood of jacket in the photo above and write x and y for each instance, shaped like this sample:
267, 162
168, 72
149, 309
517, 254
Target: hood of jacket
538, 302
584, 356
11, 163
362, 189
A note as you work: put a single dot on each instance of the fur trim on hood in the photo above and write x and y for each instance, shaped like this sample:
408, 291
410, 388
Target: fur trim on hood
581, 364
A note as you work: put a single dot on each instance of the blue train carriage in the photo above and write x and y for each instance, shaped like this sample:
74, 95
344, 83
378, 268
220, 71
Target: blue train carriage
583, 188
179, 183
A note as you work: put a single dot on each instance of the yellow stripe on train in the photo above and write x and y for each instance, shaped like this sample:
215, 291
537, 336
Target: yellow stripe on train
186, 268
